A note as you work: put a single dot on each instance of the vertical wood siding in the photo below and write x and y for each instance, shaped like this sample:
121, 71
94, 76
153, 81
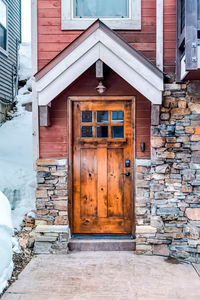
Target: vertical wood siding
51, 39
54, 139
169, 36
7, 62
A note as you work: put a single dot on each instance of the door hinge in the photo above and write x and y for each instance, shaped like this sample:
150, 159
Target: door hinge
194, 59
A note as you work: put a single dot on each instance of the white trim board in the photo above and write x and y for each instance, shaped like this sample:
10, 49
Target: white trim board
100, 45
159, 34
34, 36
35, 120
68, 22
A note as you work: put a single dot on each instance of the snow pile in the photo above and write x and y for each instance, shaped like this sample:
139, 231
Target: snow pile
25, 68
6, 231
24, 94
17, 178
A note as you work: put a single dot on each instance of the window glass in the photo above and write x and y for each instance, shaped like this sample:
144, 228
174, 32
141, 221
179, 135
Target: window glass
102, 131
102, 116
198, 8
117, 116
86, 131
3, 37
182, 14
3, 14
86, 116
101, 8
117, 132
3, 25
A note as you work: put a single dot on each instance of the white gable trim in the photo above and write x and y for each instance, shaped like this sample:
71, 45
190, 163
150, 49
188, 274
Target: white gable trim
100, 45
138, 82
68, 76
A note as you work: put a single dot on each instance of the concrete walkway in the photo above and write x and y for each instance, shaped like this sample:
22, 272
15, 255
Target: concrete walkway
104, 276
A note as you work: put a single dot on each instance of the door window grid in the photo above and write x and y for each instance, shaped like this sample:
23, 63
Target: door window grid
102, 124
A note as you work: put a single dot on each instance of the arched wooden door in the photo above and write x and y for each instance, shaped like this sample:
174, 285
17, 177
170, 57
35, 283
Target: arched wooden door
102, 167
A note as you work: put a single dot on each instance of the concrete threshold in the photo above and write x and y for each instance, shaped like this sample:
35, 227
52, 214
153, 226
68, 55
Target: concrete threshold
102, 245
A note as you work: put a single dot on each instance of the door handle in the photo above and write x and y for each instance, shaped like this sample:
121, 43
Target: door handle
126, 174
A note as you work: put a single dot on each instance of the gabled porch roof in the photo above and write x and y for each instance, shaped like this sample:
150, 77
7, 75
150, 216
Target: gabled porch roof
99, 42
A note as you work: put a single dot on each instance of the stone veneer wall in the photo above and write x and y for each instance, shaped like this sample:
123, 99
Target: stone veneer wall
52, 226
168, 186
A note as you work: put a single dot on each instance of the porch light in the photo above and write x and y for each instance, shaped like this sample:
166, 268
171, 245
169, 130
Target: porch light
100, 88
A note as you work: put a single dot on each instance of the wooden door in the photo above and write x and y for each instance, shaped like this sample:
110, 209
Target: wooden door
102, 167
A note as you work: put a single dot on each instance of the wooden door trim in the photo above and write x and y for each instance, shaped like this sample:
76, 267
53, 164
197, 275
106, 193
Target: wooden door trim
70, 101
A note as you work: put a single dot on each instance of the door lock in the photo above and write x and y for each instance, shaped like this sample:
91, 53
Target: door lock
127, 163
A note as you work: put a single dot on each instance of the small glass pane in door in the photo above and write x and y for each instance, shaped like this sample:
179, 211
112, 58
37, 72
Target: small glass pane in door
102, 131
117, 132
117, 116
86, 116
86, 131
102, 116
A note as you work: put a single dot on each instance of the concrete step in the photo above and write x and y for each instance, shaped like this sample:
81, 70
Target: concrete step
102, 245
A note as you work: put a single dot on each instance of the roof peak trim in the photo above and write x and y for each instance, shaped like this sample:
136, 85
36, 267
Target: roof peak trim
99, 42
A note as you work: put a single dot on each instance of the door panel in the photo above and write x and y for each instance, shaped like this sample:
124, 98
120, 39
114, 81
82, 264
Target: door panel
88, 170
115, 183
102, 184
102, 187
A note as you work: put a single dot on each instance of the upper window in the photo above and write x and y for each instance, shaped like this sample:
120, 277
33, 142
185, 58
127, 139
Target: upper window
182, 14
101, 9
3, 26
117, 14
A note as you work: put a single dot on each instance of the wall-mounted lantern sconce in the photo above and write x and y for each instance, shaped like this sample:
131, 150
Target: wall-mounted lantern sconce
100, 88
100, 76
142, 147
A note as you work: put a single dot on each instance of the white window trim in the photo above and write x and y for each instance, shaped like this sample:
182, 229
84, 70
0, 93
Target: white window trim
3, 51
68, 22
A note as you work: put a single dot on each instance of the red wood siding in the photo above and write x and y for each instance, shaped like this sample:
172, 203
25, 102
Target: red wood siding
51, 39
53, 140
169, 36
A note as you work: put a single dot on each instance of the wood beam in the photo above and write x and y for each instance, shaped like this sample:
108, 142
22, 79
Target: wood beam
99, 70
159, 34
45, 116
191, 53
155, 114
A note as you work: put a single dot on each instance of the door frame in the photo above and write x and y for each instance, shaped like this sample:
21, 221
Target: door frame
70, 101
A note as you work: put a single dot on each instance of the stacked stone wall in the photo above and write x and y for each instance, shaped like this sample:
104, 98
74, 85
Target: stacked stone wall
52, 224
168, 186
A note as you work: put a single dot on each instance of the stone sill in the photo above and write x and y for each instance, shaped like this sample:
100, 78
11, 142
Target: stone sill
52, 228
51, 162
143, 162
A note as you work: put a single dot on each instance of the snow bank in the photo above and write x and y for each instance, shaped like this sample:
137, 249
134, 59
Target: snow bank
6, 232
25, 68
17, 178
